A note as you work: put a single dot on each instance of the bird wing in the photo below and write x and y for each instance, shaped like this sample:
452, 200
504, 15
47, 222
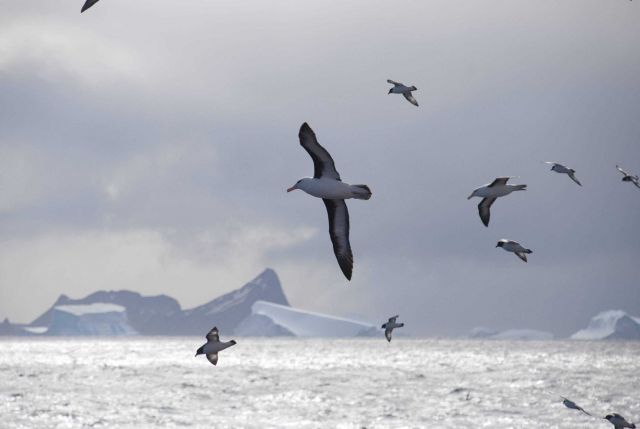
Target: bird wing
622, 171
499, 181
213, 358
213, 335
573, 177
483, 209
409, 97
387, 334
392, 82
88, 4
635, 181
393, 319
339, 233
521, 256
323, 165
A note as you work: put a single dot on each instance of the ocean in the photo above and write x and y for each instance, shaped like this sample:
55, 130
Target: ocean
317, 383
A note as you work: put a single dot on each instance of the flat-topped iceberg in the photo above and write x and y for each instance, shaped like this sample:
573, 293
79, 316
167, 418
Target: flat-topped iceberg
283, 320
610, 325
100, 318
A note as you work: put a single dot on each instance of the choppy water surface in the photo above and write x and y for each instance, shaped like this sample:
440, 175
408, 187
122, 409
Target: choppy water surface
260, 383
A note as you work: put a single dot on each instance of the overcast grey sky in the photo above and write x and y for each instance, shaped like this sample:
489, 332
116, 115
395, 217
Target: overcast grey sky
147, 146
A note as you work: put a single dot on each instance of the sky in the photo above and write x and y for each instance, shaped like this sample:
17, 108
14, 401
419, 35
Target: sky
148, 145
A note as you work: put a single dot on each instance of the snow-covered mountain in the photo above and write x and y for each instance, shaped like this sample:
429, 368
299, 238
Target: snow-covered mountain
90, 319
267, 318
610, 325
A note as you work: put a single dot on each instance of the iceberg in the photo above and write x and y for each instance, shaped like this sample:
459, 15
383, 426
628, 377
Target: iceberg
510, 334
610, 325
300, 323
99, 318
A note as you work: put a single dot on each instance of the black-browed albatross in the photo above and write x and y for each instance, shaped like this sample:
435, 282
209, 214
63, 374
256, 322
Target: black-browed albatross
489, 193
326, 184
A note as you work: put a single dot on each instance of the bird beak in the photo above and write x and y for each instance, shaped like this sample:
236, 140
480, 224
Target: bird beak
470, 196
293, 188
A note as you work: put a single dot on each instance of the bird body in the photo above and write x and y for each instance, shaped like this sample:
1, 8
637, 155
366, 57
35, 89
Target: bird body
559, 168
619, 422
390, 326
490, 192
399, 88
514, 247
326, 184
213, 346
572, 405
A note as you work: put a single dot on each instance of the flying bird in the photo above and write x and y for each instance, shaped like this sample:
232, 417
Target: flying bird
559, 168
570, 404
88, 4
629, 178
399, 88
489, 193
390, 326
618, 421
514, 247
213, 346
326, 184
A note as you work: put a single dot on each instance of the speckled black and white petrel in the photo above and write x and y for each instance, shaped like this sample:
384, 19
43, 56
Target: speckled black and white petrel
514, 247
618, 421
326, 184
489, 193
399, 88
213, 346
390, 326
629, 178
559, 168
88, 4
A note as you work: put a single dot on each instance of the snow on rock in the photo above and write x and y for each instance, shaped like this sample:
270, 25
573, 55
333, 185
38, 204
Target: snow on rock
610, 325
303, 323
99, 318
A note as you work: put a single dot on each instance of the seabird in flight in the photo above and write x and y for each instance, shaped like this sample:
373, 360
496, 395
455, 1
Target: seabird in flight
326, 184
629, 178
618, 421
570, 404
559, 168
489, 193
213, 346
390, 326
399, 88
514, 247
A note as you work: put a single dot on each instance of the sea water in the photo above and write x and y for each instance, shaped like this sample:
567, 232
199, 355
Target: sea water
319, 383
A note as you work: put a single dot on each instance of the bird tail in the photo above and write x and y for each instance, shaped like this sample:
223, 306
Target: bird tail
400, 325
528, 251
413, 88
521, 187
361, 192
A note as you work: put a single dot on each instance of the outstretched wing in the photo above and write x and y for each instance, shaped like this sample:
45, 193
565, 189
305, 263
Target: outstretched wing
622, 171
387, 334
339, 233
393, 319
521, 256
484, 209
213, 358
573, 177
88, 4
409, 97
392, 82
323, 165
213, 335
499, 181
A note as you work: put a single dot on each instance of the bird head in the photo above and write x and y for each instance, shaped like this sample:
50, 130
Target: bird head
473, 194
294, 187
500, 244
391, 90
232, 342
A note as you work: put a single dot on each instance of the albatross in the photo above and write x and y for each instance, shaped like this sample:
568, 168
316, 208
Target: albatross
88, 4
489, 193
399, 88
326, 184
514, 247
213, 346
